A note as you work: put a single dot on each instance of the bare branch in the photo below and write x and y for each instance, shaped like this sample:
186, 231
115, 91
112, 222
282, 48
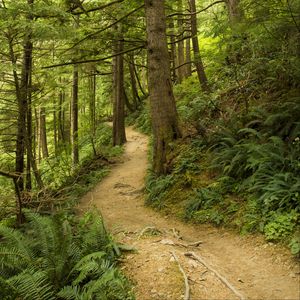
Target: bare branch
196, 12
93, 60
97, 8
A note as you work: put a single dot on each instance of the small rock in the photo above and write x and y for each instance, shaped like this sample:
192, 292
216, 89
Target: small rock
160, 270
240, 280
172, 259
153, 291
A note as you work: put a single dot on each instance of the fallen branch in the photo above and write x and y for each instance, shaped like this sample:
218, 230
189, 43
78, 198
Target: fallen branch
186, 281
223, 279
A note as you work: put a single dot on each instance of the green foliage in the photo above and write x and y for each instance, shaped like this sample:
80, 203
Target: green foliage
255, 156
262, 167
295, 244
141, 119
61, 257
194, 106
156, 188
281, 225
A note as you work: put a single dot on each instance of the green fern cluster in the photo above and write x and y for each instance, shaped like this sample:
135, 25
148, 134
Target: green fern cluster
261, 164
56, 258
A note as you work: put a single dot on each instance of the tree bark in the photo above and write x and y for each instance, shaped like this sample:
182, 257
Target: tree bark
74, 117
61, 117
197, 57
188, 59
180, 44
92, 99
119, 136
163, 109
135, 94
173, 56
92, 105
43, 132
235, 13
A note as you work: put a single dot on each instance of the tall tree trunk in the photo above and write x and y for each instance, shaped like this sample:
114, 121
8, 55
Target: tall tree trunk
197, 57
163, 109
131, 107
173, 56
55, 135
135, 94
188, 59
61, 117
43, 132
92, 99
92, 104
29, 116
74, 117
119, 136
235, 13
180, 48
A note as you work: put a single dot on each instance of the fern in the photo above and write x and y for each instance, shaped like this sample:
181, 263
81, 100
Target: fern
50, 258
32, 284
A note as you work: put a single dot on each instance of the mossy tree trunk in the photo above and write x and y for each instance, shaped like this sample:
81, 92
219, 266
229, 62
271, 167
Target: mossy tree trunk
163, 109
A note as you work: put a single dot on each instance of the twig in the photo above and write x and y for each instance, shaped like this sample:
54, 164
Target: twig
223, 279
186, 281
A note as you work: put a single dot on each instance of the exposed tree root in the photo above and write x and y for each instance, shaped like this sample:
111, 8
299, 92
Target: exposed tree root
153, 230
186, 281
223, 279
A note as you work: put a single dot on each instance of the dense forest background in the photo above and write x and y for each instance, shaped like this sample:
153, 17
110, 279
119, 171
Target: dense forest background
215, 84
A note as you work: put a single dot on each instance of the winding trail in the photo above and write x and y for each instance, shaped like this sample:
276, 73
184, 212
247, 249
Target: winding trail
256, 270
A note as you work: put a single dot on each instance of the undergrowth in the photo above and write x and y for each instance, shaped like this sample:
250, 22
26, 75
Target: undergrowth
64, 184
239, 168
140, 119
60, 257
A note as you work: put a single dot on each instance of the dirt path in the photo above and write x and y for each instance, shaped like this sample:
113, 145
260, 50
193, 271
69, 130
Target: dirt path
256, 270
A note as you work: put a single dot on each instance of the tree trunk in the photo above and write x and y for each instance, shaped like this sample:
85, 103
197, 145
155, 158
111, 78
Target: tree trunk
29, 117
92, 104
74, 117
197, 57
92, 99
180, 48
188, 59
119, 136
55, 135
43, 132
163, 109
173, 56
61, 117
135, 94
234, 11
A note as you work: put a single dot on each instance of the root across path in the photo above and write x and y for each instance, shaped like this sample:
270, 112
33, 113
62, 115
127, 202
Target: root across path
174, 260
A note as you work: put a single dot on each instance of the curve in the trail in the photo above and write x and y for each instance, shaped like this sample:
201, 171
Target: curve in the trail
256, 270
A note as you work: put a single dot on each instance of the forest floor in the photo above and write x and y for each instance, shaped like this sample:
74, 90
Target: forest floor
237, 267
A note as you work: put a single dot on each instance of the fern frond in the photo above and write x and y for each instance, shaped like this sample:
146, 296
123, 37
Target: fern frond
32, 285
